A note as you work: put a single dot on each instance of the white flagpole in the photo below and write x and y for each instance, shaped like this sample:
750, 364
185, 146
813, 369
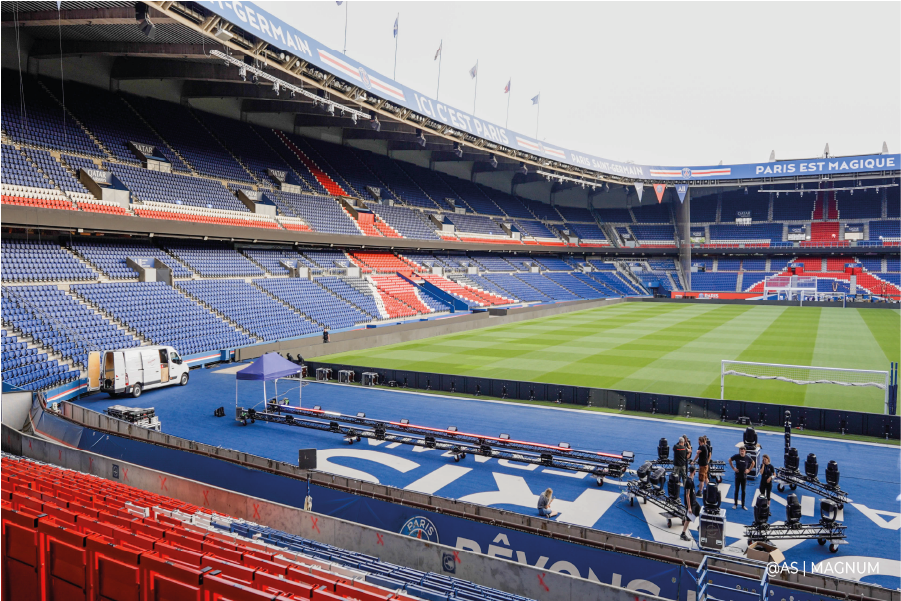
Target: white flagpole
509, 93
396, 36
345, 26
476, 92
440, 58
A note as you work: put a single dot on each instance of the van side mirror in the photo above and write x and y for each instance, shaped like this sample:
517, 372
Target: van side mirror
177, 361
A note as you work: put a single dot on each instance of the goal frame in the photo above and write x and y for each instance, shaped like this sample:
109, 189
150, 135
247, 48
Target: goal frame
884, 376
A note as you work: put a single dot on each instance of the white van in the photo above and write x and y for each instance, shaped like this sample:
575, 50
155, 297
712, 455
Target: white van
134, 370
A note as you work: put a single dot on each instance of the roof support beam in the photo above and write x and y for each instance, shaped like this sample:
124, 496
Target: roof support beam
118, 15
50, 49
213, 71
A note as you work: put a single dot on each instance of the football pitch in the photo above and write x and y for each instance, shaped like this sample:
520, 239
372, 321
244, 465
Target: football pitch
666, 348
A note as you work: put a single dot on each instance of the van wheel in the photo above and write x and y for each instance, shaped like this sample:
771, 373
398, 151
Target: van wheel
136, 391
183, 380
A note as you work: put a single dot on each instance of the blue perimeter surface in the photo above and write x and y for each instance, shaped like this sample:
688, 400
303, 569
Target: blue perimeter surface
871, 474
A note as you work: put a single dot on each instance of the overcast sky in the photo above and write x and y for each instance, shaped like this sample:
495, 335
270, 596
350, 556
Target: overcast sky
657, 83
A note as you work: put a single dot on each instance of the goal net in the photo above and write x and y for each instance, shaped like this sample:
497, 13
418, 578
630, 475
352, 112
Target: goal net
804, 375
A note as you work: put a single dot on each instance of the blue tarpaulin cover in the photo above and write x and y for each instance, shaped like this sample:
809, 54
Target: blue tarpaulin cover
270, 366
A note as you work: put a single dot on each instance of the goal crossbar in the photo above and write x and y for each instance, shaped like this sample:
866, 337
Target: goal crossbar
803, 375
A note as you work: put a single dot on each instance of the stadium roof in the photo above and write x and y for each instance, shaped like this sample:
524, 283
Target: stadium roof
174, 40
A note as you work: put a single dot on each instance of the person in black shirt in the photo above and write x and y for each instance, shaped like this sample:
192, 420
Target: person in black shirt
767, 472
680, 458
741, 464
702, 458
690, 504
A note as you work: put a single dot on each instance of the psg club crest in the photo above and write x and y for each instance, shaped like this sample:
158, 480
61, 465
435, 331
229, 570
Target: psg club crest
422, 528
365, 77
686, 172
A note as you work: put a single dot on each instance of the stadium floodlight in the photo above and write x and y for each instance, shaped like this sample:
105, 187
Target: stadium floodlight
260, 74
223, 35
805, 375
148, 28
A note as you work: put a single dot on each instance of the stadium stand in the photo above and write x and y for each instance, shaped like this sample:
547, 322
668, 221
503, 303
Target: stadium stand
190, 139
517, 288
161, 315
270, 259
211, 259
726, 282
44, 124
58, 323
314, 302
108, 540
110, 257
703, 208
249, 307
355, 291
652, 213
41, 261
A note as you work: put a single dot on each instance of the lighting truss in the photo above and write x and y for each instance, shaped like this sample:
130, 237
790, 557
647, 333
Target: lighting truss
841, 189
563, 178
280, 83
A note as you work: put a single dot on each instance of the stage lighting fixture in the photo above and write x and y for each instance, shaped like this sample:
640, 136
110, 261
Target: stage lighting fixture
832, 474
492, 160
243, 73
811, 468
663, 449
712, 497
672, 486
354, 118
644, 471
828, 512
792, 510
457, 150
331, 110
628, 455
761, 511
750, 438
275, 88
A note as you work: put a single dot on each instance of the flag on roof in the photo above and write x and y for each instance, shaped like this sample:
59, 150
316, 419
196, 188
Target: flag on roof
507, 87
396, 21
537, 98
438, 52
474, 71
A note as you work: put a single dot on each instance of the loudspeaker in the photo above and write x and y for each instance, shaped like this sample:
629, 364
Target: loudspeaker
306, 459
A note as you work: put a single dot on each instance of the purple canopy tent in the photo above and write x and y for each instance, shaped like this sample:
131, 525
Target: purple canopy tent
270, 366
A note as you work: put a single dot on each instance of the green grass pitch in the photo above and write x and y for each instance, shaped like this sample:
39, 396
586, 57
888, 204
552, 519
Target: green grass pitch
666, 348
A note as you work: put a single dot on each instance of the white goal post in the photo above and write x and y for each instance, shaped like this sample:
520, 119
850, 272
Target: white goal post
804, 375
